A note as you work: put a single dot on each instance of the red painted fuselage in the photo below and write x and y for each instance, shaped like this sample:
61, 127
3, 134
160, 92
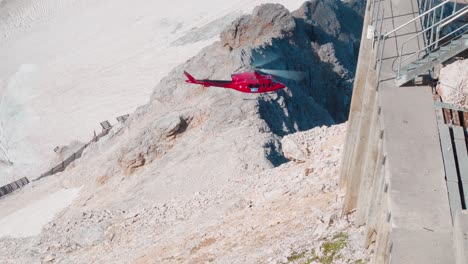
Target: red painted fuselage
247, 82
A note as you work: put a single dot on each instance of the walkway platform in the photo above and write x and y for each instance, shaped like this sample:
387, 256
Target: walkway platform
393, 168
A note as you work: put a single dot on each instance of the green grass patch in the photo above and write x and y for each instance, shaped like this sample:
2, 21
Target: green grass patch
296, 256
331, 249
329, 252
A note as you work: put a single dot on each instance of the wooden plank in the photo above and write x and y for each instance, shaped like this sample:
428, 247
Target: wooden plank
439, 115
465, 119
456, 117
454, 198
465, 192
447, 116
458, 133
447, 153
462, 157
450, 106
461, 150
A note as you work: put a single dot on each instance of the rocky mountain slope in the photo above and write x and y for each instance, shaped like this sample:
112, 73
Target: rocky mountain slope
199, 174
288, 214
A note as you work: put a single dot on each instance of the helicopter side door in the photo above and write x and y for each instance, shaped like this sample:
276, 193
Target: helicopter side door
254, 87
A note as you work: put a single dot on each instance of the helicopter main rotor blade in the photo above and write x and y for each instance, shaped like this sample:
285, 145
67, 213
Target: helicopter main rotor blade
293, 75
264, 60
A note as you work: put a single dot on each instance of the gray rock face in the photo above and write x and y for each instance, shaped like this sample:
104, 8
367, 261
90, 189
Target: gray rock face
327, 40
313, 41
152, 142
267, 22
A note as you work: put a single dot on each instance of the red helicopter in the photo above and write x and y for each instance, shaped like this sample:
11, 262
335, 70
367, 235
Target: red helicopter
246, 82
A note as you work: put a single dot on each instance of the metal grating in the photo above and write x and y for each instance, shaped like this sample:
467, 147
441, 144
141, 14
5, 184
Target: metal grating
11, 187
122, 118
452, 123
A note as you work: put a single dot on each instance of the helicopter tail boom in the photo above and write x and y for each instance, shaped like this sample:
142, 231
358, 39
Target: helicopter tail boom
190, 78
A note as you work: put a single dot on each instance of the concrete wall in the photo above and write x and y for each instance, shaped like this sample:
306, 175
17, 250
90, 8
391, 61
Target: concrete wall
461, 237
392, 167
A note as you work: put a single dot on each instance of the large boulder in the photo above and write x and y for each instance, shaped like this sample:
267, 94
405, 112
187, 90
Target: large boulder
294, 150
301, 146
453, 83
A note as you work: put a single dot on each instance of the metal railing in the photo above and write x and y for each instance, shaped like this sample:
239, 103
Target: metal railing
432, 21
434, 40
375, 16
106, 128
425, 5
76, 155
460, 13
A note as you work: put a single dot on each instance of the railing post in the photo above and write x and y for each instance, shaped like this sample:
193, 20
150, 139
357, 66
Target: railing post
428, 16
374, 15
432, 29
380, 61
442, 13
437, 37
425, 9
380, 37
377, 16
399, 62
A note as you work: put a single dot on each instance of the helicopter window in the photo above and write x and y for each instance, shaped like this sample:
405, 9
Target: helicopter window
257, 85
250, 85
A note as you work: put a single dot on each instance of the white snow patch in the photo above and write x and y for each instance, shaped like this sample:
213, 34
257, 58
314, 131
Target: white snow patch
28, 221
